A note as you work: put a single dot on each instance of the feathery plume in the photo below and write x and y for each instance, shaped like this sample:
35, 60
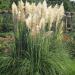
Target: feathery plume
21, 5
38, 16
14, 8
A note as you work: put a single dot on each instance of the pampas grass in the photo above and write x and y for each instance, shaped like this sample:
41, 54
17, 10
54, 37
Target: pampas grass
38, 16
38, 47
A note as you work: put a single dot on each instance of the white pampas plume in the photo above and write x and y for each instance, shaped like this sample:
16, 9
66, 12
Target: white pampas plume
29, 22
44, 4
14, 8
20, 5
51, 17
21, 13
27, 7
35, 19
56, 9
44, 8
32, 9
61, 10
60, 15
42, 23
38, 9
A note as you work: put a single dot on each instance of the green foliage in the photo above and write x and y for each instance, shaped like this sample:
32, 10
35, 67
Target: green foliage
6, 22
67, 5
4, 4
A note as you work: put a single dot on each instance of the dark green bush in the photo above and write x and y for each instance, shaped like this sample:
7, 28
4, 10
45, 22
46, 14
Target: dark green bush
6, 22
4, 4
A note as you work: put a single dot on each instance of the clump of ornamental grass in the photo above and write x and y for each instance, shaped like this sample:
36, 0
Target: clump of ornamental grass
38, 48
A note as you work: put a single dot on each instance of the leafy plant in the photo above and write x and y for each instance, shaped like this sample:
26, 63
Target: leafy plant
37, 51
4, 4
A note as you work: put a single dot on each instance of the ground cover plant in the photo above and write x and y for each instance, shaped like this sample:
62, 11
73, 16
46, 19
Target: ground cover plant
38, 48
